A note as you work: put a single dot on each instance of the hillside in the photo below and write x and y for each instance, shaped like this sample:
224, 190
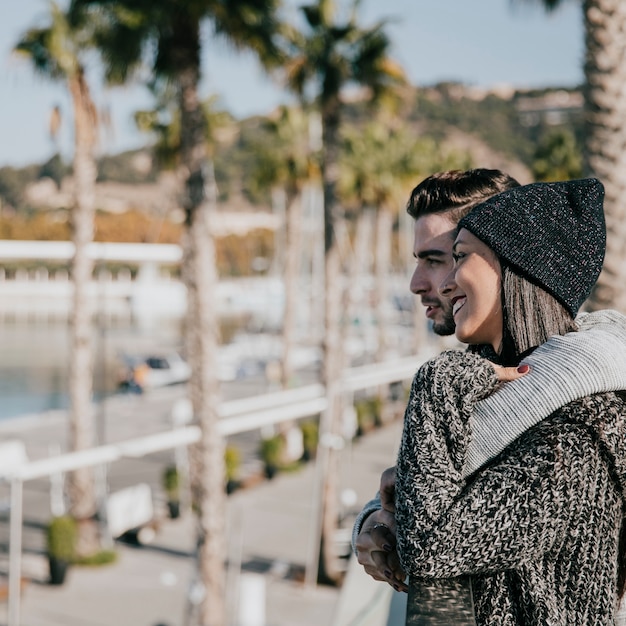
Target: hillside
496, 128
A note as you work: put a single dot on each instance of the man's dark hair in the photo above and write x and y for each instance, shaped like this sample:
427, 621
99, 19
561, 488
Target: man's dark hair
456, 192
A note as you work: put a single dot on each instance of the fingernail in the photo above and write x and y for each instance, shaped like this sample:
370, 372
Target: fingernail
387, 573
387, 547
396, 587
522, 369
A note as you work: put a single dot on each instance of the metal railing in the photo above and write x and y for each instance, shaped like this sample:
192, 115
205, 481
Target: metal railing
236, 416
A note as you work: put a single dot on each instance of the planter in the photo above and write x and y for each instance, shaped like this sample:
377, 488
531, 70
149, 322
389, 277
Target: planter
171, 486
173, 509
232, 486
271, 452
58, 570
310, 435
61, 536
270, 471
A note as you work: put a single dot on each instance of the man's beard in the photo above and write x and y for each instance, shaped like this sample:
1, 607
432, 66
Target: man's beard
447, 326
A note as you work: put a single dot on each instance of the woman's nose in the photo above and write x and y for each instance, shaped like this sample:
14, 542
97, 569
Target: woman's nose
448, 285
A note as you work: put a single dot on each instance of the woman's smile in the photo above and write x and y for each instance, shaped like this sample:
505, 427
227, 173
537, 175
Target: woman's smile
474, 290
457, 303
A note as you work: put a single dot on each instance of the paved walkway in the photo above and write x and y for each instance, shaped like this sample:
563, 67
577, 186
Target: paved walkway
270, 530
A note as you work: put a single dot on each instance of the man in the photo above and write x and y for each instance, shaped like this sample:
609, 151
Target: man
437, 204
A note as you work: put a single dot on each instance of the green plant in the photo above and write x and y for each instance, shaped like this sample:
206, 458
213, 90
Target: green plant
61, 536
365, 418
310, 436
171, 482
232, 462
376, 409
103, 557
271, 451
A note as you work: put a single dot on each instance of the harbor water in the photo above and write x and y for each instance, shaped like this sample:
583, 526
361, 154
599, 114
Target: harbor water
34, 361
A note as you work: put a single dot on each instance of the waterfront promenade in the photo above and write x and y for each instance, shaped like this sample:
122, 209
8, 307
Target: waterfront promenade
268, 543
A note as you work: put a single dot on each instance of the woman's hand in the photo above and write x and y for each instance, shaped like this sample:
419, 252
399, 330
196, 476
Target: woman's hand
507, 374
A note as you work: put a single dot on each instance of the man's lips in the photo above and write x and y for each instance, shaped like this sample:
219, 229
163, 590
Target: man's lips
431, 308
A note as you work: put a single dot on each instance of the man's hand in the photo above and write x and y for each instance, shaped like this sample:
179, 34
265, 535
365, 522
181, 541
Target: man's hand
376, 549
388, 489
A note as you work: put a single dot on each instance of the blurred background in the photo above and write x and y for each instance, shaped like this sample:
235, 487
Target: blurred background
203, 203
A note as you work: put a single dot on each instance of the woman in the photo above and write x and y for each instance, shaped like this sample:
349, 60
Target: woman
538, 528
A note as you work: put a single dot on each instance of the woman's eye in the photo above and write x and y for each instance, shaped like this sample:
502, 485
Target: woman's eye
457, 256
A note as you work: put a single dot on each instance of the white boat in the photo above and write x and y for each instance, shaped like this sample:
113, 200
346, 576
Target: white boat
156, 370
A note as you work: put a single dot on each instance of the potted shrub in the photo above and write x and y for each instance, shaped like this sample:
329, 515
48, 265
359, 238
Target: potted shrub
271, 454
310, 435
366, 420
232, 463
61, 536
171, 486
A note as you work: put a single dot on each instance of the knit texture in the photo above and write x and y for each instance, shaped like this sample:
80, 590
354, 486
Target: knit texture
552, 233
561, 370
537, 529
590, 361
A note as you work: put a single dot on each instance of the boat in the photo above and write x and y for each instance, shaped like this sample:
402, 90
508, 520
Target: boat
155, 370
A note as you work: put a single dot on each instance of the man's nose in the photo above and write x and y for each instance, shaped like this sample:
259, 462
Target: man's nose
418, 284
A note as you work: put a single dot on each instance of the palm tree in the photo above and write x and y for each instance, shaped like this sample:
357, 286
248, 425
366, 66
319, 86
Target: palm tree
170, 30
380, 164
557, 157
285, 161
326, 59
57, 52
604, 153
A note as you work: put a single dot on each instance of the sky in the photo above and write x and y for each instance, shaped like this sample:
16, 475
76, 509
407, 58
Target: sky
477, 42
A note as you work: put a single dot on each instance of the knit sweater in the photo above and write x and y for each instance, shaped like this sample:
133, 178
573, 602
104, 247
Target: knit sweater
562, 370
538, 527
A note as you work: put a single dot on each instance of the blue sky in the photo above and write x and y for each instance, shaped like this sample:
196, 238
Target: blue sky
477, 42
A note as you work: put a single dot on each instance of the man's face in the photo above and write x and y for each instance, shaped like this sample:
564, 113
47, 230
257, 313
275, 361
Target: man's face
432, 249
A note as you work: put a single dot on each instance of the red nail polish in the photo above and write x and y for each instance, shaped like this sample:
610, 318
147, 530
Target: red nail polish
522, 369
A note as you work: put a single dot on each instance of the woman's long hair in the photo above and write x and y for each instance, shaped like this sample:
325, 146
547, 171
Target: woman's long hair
530, 316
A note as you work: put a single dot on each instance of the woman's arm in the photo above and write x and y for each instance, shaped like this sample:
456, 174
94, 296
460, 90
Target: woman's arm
437, 433
509, 514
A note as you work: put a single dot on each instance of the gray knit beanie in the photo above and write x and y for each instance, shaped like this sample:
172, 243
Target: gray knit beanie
553, 234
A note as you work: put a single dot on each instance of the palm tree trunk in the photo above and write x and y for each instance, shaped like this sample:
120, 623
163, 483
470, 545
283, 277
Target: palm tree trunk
292, 272
384, 228
207, 457
605, 108
81, 482
356, 300
330, 425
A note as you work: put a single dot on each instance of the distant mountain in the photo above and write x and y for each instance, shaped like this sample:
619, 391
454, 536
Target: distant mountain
497, 128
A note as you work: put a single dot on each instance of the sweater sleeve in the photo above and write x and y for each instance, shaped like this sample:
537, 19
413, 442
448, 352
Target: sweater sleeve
511, 512
436, 435
373, 505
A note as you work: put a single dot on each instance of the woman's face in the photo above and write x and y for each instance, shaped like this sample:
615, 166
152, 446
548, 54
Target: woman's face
473, 288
